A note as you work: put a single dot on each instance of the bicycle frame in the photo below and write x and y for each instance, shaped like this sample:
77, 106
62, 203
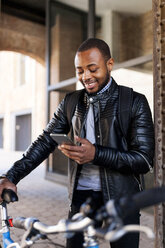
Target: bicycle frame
5, 226
90, 240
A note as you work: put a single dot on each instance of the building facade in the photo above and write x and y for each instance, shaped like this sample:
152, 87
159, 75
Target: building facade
49, 32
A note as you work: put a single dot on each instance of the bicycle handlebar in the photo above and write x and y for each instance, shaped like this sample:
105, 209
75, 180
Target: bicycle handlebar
19, 222
115, 210
114, 235
61, 226
64, 226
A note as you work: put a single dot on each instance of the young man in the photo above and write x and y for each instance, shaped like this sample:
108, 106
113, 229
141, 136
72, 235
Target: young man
104, 163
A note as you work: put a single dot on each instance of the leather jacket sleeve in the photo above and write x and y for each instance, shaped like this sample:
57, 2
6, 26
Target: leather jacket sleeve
138, 158
40, 149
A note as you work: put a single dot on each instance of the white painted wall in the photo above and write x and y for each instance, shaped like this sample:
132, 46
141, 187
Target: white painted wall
140, 81
17, 98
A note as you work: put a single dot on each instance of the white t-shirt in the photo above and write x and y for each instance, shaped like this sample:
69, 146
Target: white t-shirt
90, 177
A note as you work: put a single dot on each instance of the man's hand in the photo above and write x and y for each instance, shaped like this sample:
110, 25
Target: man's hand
6, 184
81, 154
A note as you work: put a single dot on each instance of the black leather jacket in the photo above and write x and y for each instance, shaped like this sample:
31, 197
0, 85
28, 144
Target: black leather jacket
120, 161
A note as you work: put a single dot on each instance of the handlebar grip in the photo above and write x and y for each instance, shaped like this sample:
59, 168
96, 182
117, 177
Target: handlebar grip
19, 222
149, 197
127, 205
9, 195
24, 223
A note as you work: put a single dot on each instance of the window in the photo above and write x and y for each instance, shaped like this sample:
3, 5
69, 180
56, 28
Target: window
24, 69
1, 132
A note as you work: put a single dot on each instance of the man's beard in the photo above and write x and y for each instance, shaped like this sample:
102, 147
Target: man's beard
105, 82
101, 86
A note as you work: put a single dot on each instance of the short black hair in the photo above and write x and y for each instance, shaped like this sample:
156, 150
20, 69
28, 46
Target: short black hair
101, 45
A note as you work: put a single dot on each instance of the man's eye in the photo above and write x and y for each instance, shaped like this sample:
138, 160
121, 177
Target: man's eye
79, 72
93, 70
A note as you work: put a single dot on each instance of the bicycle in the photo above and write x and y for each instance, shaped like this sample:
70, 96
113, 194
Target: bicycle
85, 221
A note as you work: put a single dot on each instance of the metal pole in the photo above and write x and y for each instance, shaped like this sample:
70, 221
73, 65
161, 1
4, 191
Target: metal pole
159, 112
47, 59
91, 18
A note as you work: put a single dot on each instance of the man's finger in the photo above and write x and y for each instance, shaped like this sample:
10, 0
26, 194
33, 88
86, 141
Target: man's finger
81, 140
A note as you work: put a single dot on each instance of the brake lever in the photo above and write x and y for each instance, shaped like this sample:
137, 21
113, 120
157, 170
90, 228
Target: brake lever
113, 235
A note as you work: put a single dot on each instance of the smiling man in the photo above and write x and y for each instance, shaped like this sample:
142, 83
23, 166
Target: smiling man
93, 69
103, 164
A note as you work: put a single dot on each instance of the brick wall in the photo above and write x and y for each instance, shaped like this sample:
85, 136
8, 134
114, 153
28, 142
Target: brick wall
132, 36
22, 36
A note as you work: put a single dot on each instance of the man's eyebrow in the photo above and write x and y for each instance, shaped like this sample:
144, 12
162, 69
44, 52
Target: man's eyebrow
79, 67
91, 65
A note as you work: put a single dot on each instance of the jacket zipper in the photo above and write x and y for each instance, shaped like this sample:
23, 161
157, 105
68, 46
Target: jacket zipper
140, 187
105, 172
149, 166
106, 179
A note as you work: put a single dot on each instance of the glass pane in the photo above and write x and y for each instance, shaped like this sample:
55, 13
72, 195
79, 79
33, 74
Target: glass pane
66, 34
126, 27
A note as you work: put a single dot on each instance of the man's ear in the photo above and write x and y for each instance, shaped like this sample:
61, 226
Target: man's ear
110, 64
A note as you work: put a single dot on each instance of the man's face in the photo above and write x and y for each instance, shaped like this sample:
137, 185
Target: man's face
92, 70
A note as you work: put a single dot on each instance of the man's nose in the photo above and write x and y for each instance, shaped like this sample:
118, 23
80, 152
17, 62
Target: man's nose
86, 75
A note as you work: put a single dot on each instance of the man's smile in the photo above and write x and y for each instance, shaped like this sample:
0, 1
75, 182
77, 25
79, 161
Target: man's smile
90, 84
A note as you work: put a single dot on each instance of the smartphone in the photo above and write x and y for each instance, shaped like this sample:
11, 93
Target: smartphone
61, 138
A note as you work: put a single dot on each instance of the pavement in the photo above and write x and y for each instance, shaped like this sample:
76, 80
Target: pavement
48, 202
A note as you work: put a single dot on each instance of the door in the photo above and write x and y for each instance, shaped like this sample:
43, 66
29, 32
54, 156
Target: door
23, 132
